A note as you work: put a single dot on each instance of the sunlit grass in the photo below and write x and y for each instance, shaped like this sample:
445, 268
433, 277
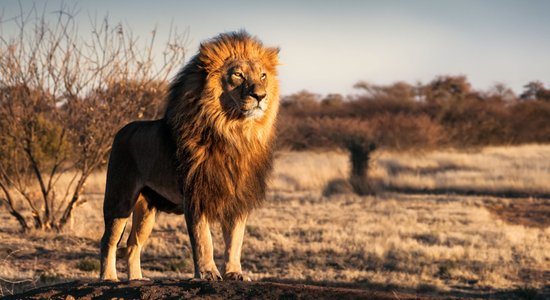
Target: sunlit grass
497, 170
420, 242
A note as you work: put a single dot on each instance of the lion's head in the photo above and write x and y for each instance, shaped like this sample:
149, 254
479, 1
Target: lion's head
241, 74
233, 81
245, 85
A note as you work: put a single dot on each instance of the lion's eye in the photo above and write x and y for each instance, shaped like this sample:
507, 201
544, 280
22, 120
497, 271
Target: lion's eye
263, 76
238, 74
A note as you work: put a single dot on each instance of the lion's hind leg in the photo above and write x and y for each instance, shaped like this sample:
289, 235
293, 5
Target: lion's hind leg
142, 224
120, 197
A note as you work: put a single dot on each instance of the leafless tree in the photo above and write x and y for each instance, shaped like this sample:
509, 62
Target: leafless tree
62, 98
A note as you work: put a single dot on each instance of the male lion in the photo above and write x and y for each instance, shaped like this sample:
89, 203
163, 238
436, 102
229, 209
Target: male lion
208, 158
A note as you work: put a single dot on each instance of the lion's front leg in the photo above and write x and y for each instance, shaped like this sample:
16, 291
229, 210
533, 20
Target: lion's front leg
203, 251
233, 235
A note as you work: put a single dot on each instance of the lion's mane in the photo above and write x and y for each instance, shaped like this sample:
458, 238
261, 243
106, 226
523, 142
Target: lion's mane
224, 159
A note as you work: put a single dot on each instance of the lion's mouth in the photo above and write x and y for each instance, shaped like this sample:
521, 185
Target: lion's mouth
253, 113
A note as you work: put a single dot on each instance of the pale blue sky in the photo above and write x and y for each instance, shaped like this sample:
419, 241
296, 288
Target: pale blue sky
327, 46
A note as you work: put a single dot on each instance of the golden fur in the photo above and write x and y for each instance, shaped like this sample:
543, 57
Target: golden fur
223, 157
207, 158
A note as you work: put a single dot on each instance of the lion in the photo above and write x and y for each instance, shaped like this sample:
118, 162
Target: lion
207, 158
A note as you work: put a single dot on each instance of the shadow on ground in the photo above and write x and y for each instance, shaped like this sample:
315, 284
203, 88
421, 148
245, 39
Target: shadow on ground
190, 289
272, 289
428, 291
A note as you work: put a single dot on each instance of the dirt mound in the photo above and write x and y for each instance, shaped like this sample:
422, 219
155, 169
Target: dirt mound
188, 289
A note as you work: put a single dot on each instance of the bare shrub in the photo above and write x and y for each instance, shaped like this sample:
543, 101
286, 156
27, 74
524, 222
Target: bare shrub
63, 96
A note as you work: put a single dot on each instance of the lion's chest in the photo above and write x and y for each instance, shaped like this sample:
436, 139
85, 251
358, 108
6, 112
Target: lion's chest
224, 171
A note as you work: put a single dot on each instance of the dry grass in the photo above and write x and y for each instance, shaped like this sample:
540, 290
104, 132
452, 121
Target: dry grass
307, 171
441, 243
398, 240
493, 170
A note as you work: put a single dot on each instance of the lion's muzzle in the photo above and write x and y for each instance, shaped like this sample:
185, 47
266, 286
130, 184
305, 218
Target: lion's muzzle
258, 96
253, 113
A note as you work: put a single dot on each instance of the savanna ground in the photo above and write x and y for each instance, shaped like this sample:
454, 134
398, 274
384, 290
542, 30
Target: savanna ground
442, 223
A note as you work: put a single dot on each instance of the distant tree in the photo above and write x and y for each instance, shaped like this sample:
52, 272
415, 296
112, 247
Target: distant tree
401, 91
352, 134
535, 90
372, 91
446, 88
398, 91
360, 149
501, 92
302, 101
332, 101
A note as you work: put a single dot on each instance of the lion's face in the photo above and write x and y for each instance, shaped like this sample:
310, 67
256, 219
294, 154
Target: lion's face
245, 85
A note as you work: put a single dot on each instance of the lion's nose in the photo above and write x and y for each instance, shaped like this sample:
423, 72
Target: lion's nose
258, 97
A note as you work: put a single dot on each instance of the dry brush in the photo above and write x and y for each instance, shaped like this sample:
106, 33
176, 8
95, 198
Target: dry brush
63, 95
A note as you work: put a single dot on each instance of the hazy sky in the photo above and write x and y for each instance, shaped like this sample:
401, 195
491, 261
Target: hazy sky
327, 46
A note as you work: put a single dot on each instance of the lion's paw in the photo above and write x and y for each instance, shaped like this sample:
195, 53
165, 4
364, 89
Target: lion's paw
235, 276
210, 276
140, 279
109, 279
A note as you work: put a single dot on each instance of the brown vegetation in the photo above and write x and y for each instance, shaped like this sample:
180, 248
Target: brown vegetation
62, 99
446, 112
